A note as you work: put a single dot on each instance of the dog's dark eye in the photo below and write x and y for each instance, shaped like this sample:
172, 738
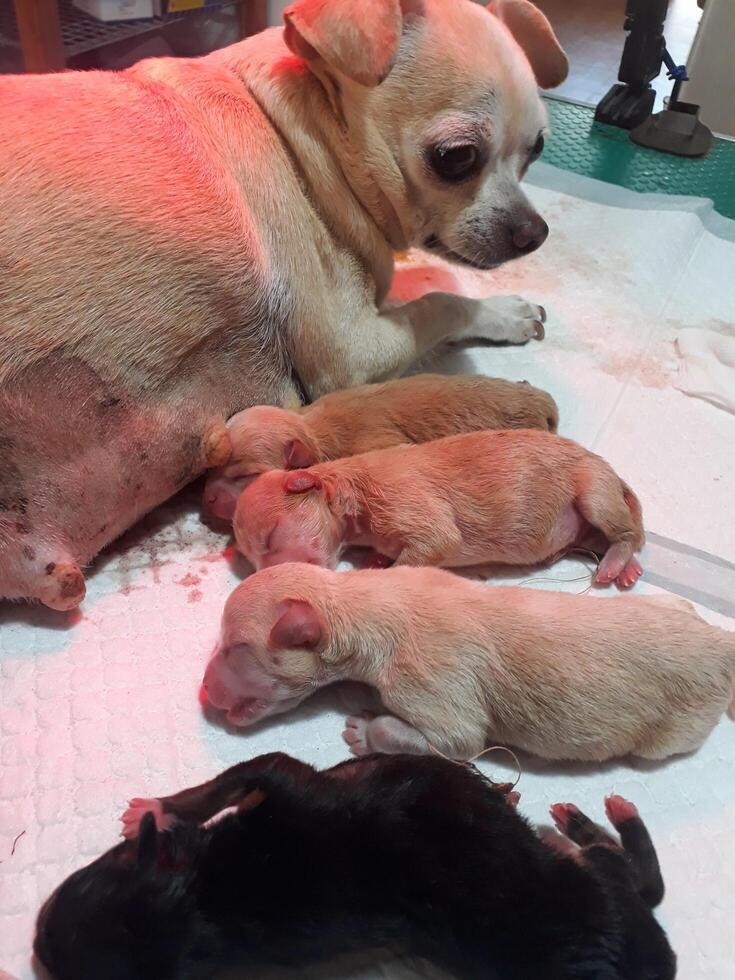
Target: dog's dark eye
538, 149
455, 163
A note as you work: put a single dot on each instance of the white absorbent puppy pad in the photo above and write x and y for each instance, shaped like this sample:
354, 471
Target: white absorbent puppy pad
100, 706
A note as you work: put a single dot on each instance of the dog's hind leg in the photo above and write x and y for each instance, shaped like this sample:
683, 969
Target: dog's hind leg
234, 787
638, 847
635, 843
612, 507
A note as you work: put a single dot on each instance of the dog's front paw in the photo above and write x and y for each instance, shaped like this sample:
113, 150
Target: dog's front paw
356, 734
518, 320
135, 812
510, 319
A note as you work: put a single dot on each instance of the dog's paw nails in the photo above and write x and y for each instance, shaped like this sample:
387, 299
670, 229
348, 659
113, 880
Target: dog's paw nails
137, 809
525, 320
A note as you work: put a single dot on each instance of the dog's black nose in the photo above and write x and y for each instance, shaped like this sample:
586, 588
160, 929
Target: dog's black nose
530, 234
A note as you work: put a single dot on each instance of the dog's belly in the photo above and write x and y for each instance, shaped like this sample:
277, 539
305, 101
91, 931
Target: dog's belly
85, 459
519, 544
139, 303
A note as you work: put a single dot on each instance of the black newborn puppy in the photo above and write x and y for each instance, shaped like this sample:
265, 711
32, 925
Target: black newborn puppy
419, 855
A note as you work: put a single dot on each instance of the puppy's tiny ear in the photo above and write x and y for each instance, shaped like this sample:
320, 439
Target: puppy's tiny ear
298, 627
535, 35
358, 38
147, 841
297, 455
301, 481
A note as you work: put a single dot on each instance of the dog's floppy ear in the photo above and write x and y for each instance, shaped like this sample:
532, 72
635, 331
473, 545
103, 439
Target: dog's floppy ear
297, 455
535, 35
301, 481
297, 627
358, 38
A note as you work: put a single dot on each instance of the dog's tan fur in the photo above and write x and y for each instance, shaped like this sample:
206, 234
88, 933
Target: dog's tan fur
358, 420
513, 497
178, 239
460, 665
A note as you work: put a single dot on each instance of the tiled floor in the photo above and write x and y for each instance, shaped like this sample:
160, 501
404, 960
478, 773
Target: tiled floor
592, 34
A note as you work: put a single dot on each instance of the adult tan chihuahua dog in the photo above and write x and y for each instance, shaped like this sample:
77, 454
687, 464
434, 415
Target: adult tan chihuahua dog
459, 665
190, 237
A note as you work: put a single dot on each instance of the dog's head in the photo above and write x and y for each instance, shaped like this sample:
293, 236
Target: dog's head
285, 516
440, 106
129, 915
263, 438
275, 648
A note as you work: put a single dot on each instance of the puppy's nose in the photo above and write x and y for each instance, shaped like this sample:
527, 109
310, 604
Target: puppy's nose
530, 234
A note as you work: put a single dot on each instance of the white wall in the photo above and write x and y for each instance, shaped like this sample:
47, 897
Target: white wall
711, 65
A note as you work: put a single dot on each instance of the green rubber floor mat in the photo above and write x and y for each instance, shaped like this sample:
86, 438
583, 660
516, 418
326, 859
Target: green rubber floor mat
580, 144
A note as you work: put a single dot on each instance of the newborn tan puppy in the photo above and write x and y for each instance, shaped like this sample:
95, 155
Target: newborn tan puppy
509, 497
461, 665
357, 420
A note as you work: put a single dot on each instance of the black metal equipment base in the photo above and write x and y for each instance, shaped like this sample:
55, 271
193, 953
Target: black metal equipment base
675, 130
626, 106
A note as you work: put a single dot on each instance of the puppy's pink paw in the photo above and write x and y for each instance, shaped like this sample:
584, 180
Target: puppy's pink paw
355, 735
630, 574
619, 810
607, 572
560, 813
618, 566
135, 812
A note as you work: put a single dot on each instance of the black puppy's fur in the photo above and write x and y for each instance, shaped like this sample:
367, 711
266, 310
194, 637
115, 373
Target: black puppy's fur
419, 855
